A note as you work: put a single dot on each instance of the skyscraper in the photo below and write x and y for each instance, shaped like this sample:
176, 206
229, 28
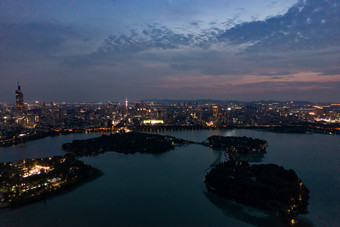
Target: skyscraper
19, 100
215, 111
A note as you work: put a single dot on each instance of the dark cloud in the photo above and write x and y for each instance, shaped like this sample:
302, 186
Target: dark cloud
159, 37
321, 60
197, 23
307, 25
287, 85
330, 72
152, 37
278, 74
294, 90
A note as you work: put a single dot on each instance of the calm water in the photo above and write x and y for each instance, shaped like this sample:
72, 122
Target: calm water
168, 189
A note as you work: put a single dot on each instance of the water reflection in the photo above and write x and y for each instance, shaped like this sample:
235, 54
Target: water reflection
251, 215
250, 157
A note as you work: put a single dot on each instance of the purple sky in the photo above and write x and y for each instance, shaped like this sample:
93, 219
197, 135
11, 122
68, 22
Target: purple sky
84, 50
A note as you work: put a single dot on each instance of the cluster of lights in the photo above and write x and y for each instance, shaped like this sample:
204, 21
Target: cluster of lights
153, 122
36, 170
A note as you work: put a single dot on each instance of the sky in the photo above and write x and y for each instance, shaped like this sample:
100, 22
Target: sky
106, 50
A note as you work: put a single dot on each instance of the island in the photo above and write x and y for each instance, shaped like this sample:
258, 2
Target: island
237, 144
124, 142
265, 186
26, 181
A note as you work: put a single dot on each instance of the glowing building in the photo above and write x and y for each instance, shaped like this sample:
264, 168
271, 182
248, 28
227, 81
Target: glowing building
19, 100
215, 111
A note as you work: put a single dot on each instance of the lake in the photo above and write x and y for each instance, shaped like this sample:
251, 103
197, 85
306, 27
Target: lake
168, 189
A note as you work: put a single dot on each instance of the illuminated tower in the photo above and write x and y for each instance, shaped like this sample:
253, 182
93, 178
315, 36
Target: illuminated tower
19, 100
126, 103
215, 111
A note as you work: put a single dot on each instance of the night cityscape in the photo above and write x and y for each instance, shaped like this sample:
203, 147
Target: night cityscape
23, 120
169, 113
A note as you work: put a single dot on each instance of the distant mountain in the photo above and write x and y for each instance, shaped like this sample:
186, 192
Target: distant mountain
217, 101
201, 101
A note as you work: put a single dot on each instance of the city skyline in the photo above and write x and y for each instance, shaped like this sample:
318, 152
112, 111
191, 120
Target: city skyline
107, 50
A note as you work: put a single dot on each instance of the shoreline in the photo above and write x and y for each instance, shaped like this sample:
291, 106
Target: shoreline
96, 173
70, 176
270, 128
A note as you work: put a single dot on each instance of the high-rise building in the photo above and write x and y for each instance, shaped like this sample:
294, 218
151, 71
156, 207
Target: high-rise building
215, 111
19, 100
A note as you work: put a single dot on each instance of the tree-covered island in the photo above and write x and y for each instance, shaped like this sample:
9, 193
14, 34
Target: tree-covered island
128, 143
266, 186
26, 181
242, 145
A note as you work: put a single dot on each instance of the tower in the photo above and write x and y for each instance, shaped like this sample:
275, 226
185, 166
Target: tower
19, 100
215, 111
126, 103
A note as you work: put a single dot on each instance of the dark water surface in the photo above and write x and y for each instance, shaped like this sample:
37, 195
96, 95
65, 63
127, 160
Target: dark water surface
168, 189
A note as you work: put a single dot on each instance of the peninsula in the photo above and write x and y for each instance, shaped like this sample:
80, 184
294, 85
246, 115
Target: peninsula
26, 181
